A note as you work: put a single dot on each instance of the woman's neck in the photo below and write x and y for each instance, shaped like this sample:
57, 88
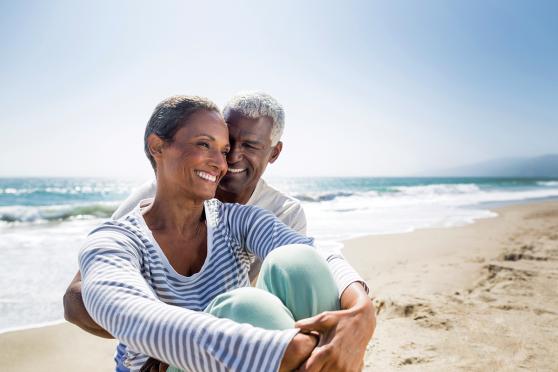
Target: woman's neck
173, 212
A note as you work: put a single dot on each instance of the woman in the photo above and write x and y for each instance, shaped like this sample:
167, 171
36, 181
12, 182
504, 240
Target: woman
185, 250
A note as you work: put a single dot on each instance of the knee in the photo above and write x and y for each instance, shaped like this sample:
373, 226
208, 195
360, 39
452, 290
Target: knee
254, 306
294, 255
301, 278
296, 261
246, 298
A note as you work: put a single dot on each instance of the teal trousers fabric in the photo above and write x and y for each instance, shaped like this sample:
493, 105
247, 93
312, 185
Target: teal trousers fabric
294, 283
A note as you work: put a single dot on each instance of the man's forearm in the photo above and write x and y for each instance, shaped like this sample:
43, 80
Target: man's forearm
344, 334
76, 313
299, 349
355, 297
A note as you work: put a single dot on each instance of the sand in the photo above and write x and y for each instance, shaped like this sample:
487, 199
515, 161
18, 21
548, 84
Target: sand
481, 297
62, 347
478, 297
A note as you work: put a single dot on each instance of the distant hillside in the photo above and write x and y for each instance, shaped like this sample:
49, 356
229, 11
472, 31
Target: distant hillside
542, 166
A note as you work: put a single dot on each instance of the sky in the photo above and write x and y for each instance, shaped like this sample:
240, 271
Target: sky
370, 88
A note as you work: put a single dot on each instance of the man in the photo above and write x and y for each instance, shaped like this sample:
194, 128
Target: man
255, 122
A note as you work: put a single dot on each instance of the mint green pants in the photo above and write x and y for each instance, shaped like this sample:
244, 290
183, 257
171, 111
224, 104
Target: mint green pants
294, 283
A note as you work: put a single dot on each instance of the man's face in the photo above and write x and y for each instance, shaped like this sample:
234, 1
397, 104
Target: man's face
250, 152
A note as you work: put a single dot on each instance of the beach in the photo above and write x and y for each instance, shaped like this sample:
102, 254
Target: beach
479, 297
483, 296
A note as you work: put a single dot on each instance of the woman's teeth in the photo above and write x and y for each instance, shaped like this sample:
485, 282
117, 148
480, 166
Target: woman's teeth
206, 176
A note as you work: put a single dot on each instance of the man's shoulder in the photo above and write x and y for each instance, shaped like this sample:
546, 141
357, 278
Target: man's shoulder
268, 197
288, 209
144, 191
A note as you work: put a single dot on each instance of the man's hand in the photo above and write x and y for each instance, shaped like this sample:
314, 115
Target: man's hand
154, 365
75, 312
344, 334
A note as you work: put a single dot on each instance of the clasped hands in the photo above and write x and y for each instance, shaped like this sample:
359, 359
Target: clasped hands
334, 340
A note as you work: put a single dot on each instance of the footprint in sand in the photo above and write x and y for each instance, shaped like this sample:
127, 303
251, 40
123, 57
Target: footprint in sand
416, 309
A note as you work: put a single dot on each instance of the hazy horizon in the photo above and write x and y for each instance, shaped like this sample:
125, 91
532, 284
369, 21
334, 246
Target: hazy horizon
369, 88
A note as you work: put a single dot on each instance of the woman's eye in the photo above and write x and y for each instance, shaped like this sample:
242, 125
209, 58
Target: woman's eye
203, 144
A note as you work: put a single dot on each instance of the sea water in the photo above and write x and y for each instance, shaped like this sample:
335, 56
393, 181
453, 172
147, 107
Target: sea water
44, 221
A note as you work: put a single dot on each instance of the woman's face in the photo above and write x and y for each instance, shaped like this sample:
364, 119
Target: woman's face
195, 161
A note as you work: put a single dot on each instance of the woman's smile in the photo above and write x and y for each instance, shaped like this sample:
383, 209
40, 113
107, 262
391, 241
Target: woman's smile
207, 176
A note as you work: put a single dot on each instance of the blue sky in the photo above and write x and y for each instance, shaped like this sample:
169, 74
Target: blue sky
370, 88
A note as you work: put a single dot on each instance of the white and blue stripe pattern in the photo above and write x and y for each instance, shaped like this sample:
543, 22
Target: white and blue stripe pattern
128, 285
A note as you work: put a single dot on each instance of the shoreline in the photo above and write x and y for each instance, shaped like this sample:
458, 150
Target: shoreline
446, 296
477, 297
32, 326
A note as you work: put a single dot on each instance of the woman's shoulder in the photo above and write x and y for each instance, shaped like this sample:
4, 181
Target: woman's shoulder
125, 229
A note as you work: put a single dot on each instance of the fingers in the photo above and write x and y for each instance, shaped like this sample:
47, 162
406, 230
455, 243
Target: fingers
315, 363
319, 323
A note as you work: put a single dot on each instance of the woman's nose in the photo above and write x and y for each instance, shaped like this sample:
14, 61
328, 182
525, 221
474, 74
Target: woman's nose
219, 160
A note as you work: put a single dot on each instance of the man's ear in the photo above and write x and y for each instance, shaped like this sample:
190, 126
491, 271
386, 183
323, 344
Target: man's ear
276, 151
155, 145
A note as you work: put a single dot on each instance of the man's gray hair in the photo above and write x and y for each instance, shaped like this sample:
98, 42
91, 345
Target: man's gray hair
172, 114
254, 105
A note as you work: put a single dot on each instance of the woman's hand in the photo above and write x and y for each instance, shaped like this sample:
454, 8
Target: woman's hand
298, 350
344, 334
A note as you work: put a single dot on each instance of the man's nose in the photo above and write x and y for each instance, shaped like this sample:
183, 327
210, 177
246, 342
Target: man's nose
234, 154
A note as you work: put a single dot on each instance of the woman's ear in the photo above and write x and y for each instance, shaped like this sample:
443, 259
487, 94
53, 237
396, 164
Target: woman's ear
155, 145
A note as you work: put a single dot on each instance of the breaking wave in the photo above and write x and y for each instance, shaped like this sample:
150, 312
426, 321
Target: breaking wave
548, 183
56, 212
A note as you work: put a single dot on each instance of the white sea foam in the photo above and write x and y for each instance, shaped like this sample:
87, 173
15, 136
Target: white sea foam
437, 190
39, 261
408, 209
548, 183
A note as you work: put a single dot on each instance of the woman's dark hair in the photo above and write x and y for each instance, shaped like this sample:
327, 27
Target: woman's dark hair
170, 115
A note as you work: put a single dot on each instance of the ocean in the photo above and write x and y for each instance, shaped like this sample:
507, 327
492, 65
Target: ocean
44, 221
